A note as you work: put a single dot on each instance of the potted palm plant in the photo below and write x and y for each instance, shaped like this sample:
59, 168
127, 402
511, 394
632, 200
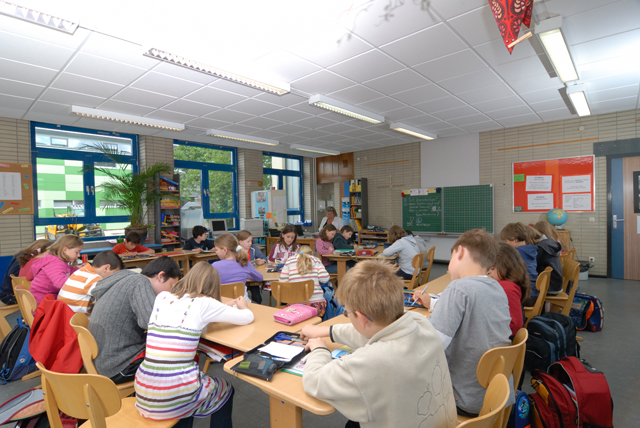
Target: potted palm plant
133, 192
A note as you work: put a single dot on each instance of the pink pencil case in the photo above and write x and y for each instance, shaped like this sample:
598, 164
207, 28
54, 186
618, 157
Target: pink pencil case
294, 314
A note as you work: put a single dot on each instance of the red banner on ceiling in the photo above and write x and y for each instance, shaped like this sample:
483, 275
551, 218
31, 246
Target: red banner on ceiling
510, 15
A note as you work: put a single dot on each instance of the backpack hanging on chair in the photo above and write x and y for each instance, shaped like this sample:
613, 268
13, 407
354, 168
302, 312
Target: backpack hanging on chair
15, 359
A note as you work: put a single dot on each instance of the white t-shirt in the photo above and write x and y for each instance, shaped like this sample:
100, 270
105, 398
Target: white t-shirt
337, 222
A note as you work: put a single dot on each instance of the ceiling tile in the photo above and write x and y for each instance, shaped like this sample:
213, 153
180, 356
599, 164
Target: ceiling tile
86, 85
170, 116
468, 120
51, 108
359, 133
205, 123
183, 73
314, 122
146, 98
509, 112
451, 132
235, 88
45, 117
161, 83
367, 66
104, 69
268, 134
495, 52
614, 81
421, 120
190, 107
355, 95
284, 65
499, 104
448, 9
539, 96
381, 104
281, 100
292, 139
71, 98
227, 115
554, 115
610, 67
43, 33
120, 50
397, 82
421, 94
477, 26
338, 128
102, 125
481, 127
549, 105
440, 104
453, 65
240, 129
30, 51
306, 108
612, 94
599, 22
288, 129
468, 82
455, 113
261, 122
321, 82
607, 47
620, 104
255, 107
215, 97
25, 73
312, 133
521, 68
527, 119
402, 114
287, 115
404, 50
20, 89
539, 82
327, 49
331, 138
128, 108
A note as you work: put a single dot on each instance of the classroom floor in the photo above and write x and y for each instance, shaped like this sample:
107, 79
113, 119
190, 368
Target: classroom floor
614, 350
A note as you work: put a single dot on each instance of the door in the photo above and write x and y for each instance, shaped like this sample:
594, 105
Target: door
625, 226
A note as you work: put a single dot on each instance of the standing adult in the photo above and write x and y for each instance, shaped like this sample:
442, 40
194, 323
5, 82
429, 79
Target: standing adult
331, 218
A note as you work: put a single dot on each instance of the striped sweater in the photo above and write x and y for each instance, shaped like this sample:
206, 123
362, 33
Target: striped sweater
169, 384
76, 289
318, 274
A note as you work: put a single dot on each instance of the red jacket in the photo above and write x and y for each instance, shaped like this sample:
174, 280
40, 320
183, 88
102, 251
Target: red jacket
53, 342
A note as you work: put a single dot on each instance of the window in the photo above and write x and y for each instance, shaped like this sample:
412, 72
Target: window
69, 198
284, 172
208, 183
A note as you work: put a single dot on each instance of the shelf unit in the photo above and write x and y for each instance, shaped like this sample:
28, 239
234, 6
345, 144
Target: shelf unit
366, 237
170, 211
358, 203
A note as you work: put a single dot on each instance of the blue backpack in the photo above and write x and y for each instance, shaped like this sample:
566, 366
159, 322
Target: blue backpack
587, 312
15, 359
333, 307
519, 417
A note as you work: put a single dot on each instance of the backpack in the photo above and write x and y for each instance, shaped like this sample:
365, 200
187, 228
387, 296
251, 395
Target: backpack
587, 312
333, 307
551, 337
573, 393
519, 417
15, 359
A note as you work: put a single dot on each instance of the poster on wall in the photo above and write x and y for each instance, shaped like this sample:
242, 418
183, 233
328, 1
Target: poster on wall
566, 183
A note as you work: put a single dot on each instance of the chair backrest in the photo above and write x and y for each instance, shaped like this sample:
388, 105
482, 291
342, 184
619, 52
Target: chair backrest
542, 284
493, 406
82, 396
500, 360
232, 290
292, 292
26, 303
572, 254
427, 272
416, 263
520, 338
20, 280
88, 344
570, 274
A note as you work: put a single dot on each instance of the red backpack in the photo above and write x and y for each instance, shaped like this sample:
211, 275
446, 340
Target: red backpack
573, 394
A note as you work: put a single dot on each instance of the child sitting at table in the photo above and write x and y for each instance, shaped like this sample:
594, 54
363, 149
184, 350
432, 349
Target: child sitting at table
245, 239
169, 384
406, 247
302, 267
549, 249
19, 266
131, 246
342, 240
471, 317
394, 351
49, 273
199, 241
234, 265
76, 290
517, 236
324, 246
511, 273
287, 246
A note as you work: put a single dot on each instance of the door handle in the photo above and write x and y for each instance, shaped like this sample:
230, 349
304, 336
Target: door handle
206, 192
93, 190
87, 187
616, 220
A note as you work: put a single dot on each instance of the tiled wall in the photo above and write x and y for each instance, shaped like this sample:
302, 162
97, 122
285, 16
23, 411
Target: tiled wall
590, 239
249, 176
16, 231
398, 167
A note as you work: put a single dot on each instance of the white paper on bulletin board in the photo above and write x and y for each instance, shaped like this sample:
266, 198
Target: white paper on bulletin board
576, 202
540, 201
280, 208
10, 186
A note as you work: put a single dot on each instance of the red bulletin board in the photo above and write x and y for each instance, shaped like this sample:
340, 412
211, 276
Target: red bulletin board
567, 183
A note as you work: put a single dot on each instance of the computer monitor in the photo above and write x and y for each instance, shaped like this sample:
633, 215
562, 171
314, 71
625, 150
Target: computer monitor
299, 230
218, 226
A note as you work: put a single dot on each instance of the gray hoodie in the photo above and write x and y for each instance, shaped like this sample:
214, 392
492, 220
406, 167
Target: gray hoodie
119, 319
407, 248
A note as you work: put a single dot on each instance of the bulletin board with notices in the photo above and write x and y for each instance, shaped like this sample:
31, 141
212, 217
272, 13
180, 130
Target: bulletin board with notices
16, 189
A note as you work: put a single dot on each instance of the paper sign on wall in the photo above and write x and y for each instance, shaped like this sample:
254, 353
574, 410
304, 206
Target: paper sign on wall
10, 186
540, 201
576, 202
538, 183
576, 184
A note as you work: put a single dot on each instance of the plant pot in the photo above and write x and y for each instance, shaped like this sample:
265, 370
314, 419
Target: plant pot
142, 231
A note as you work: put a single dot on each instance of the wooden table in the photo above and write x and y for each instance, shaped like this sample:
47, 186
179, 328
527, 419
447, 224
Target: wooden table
182, 257
200, 256
271, 241
342, 260
436, 286
268, 276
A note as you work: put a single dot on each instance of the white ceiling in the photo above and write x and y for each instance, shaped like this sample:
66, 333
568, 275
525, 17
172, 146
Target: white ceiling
438, 65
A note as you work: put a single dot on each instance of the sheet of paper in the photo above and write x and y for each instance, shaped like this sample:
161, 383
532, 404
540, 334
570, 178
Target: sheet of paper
576, 184
540, 201
10, 187
539, 183
414, 192
576, 202
423, 191
280, 350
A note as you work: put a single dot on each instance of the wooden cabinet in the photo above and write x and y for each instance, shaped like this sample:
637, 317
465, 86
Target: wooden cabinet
334, 169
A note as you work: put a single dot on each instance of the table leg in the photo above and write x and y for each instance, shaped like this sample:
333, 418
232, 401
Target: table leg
342, 269
185, 264
284, 415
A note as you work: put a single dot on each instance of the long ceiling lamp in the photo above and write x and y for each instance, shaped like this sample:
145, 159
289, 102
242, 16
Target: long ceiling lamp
35, 17
126, 118
554, 44
401, 127
314, 149
277, 88
241, 137
578, 99
344, 108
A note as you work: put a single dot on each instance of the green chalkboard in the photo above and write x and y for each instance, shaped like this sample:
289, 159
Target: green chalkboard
468, 207
422, 213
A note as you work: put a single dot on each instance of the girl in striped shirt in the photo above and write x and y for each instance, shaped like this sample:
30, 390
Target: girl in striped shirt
169, 384
303, 266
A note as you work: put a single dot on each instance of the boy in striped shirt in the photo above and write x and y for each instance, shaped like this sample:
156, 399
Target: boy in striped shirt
76, 290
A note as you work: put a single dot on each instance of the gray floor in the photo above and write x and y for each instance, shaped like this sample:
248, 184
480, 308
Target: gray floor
613, 350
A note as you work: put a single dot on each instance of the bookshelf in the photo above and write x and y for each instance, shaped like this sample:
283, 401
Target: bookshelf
170, 211
358, 203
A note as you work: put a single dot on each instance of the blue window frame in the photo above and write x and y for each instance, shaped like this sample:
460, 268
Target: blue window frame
217, 168
287, 175
58, 155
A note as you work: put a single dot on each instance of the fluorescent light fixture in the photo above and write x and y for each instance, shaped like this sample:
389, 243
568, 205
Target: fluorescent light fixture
314, 149
35, 17
401, 127
277, 88
126, 118
346, 109
556, 47
578, 99
241, 137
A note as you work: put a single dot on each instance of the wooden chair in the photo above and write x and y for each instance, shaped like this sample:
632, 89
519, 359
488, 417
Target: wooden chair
572, 254
92, 397
89, 350
26, 303
542, 284
570, 277
232, 290
493, 406
414, 282
5, 328
424, 277
292, 292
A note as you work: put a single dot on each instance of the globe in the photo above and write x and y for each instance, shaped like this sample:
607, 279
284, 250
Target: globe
557, 217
